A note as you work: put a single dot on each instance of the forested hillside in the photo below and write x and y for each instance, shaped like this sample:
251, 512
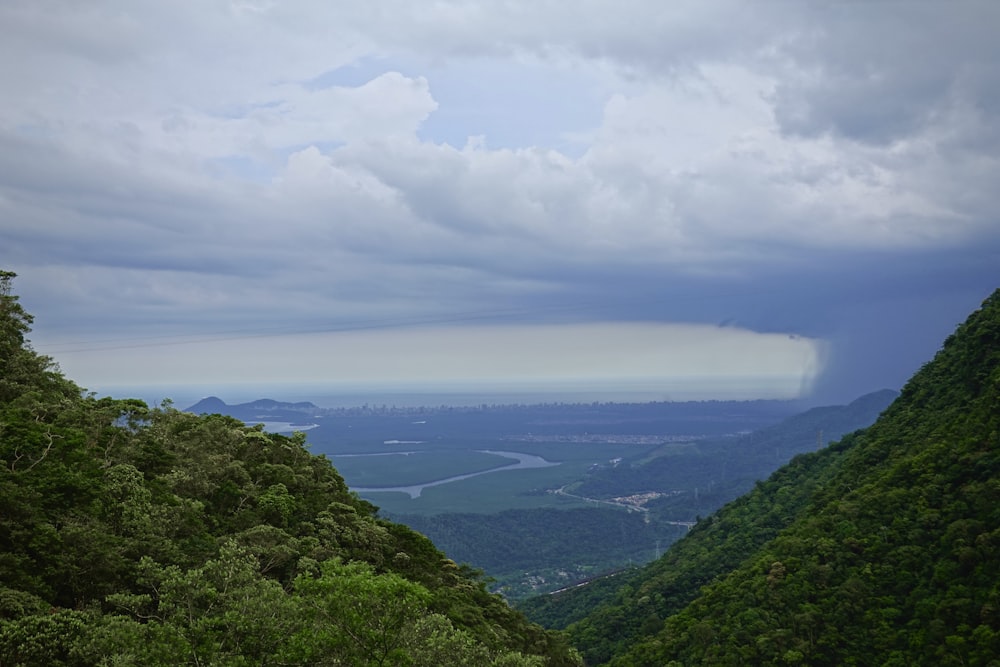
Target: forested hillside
882, 549
132, 535
618, 612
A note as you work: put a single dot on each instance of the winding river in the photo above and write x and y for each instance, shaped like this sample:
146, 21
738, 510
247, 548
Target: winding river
524, 461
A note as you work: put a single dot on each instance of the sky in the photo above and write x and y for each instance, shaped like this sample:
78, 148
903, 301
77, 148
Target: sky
692, 199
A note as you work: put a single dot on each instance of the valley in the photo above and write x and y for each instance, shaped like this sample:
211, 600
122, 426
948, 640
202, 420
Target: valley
162, 536
541, 497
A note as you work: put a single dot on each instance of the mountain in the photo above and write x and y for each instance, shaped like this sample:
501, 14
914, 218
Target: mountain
210, 405
695, 479
262, 409
880, 549
132, 535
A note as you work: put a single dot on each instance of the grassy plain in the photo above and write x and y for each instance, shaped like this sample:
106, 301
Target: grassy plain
366, 447
413, 467
485, 494
524, 488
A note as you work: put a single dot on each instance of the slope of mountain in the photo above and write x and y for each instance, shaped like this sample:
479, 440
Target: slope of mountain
138, 536
620, 611
881, 549
695, 480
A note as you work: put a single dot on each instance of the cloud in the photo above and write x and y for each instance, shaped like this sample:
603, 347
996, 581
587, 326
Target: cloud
683, 360
873, 74
183, 167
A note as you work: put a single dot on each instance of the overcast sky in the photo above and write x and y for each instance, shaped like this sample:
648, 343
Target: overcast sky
753, 198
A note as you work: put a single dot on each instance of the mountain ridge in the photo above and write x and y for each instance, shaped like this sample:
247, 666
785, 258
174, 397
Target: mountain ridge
214, 404
881, 548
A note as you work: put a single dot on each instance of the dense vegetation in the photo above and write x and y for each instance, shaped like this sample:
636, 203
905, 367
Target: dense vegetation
136, 535
882, 549
639, 601
525, 551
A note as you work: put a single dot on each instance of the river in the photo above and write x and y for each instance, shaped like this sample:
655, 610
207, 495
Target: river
524, 461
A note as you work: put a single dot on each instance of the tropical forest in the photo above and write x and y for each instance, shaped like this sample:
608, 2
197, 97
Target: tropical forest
136, 534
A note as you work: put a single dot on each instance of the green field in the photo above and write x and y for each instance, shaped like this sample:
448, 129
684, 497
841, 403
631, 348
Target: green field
413, 467
492, 492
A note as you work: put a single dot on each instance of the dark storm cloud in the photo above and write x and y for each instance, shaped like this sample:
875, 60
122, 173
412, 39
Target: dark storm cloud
825, 170
880, 72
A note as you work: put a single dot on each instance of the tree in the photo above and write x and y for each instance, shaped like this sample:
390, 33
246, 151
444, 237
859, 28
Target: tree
361, 617
20, 367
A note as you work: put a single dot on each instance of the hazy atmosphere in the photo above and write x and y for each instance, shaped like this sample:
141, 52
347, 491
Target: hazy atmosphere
685, 199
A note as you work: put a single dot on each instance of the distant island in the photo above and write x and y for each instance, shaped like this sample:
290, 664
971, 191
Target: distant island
262, 409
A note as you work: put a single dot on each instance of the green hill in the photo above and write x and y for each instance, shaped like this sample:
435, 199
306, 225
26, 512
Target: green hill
132, 535
723, 469
881, 549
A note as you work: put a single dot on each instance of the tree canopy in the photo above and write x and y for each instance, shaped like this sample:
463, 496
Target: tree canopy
881, 549
132, 534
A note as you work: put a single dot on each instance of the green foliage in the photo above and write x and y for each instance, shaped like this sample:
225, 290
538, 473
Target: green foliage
359, 616
555, 548
42, 639
131, 535
700, 486
710, 549
880, 549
